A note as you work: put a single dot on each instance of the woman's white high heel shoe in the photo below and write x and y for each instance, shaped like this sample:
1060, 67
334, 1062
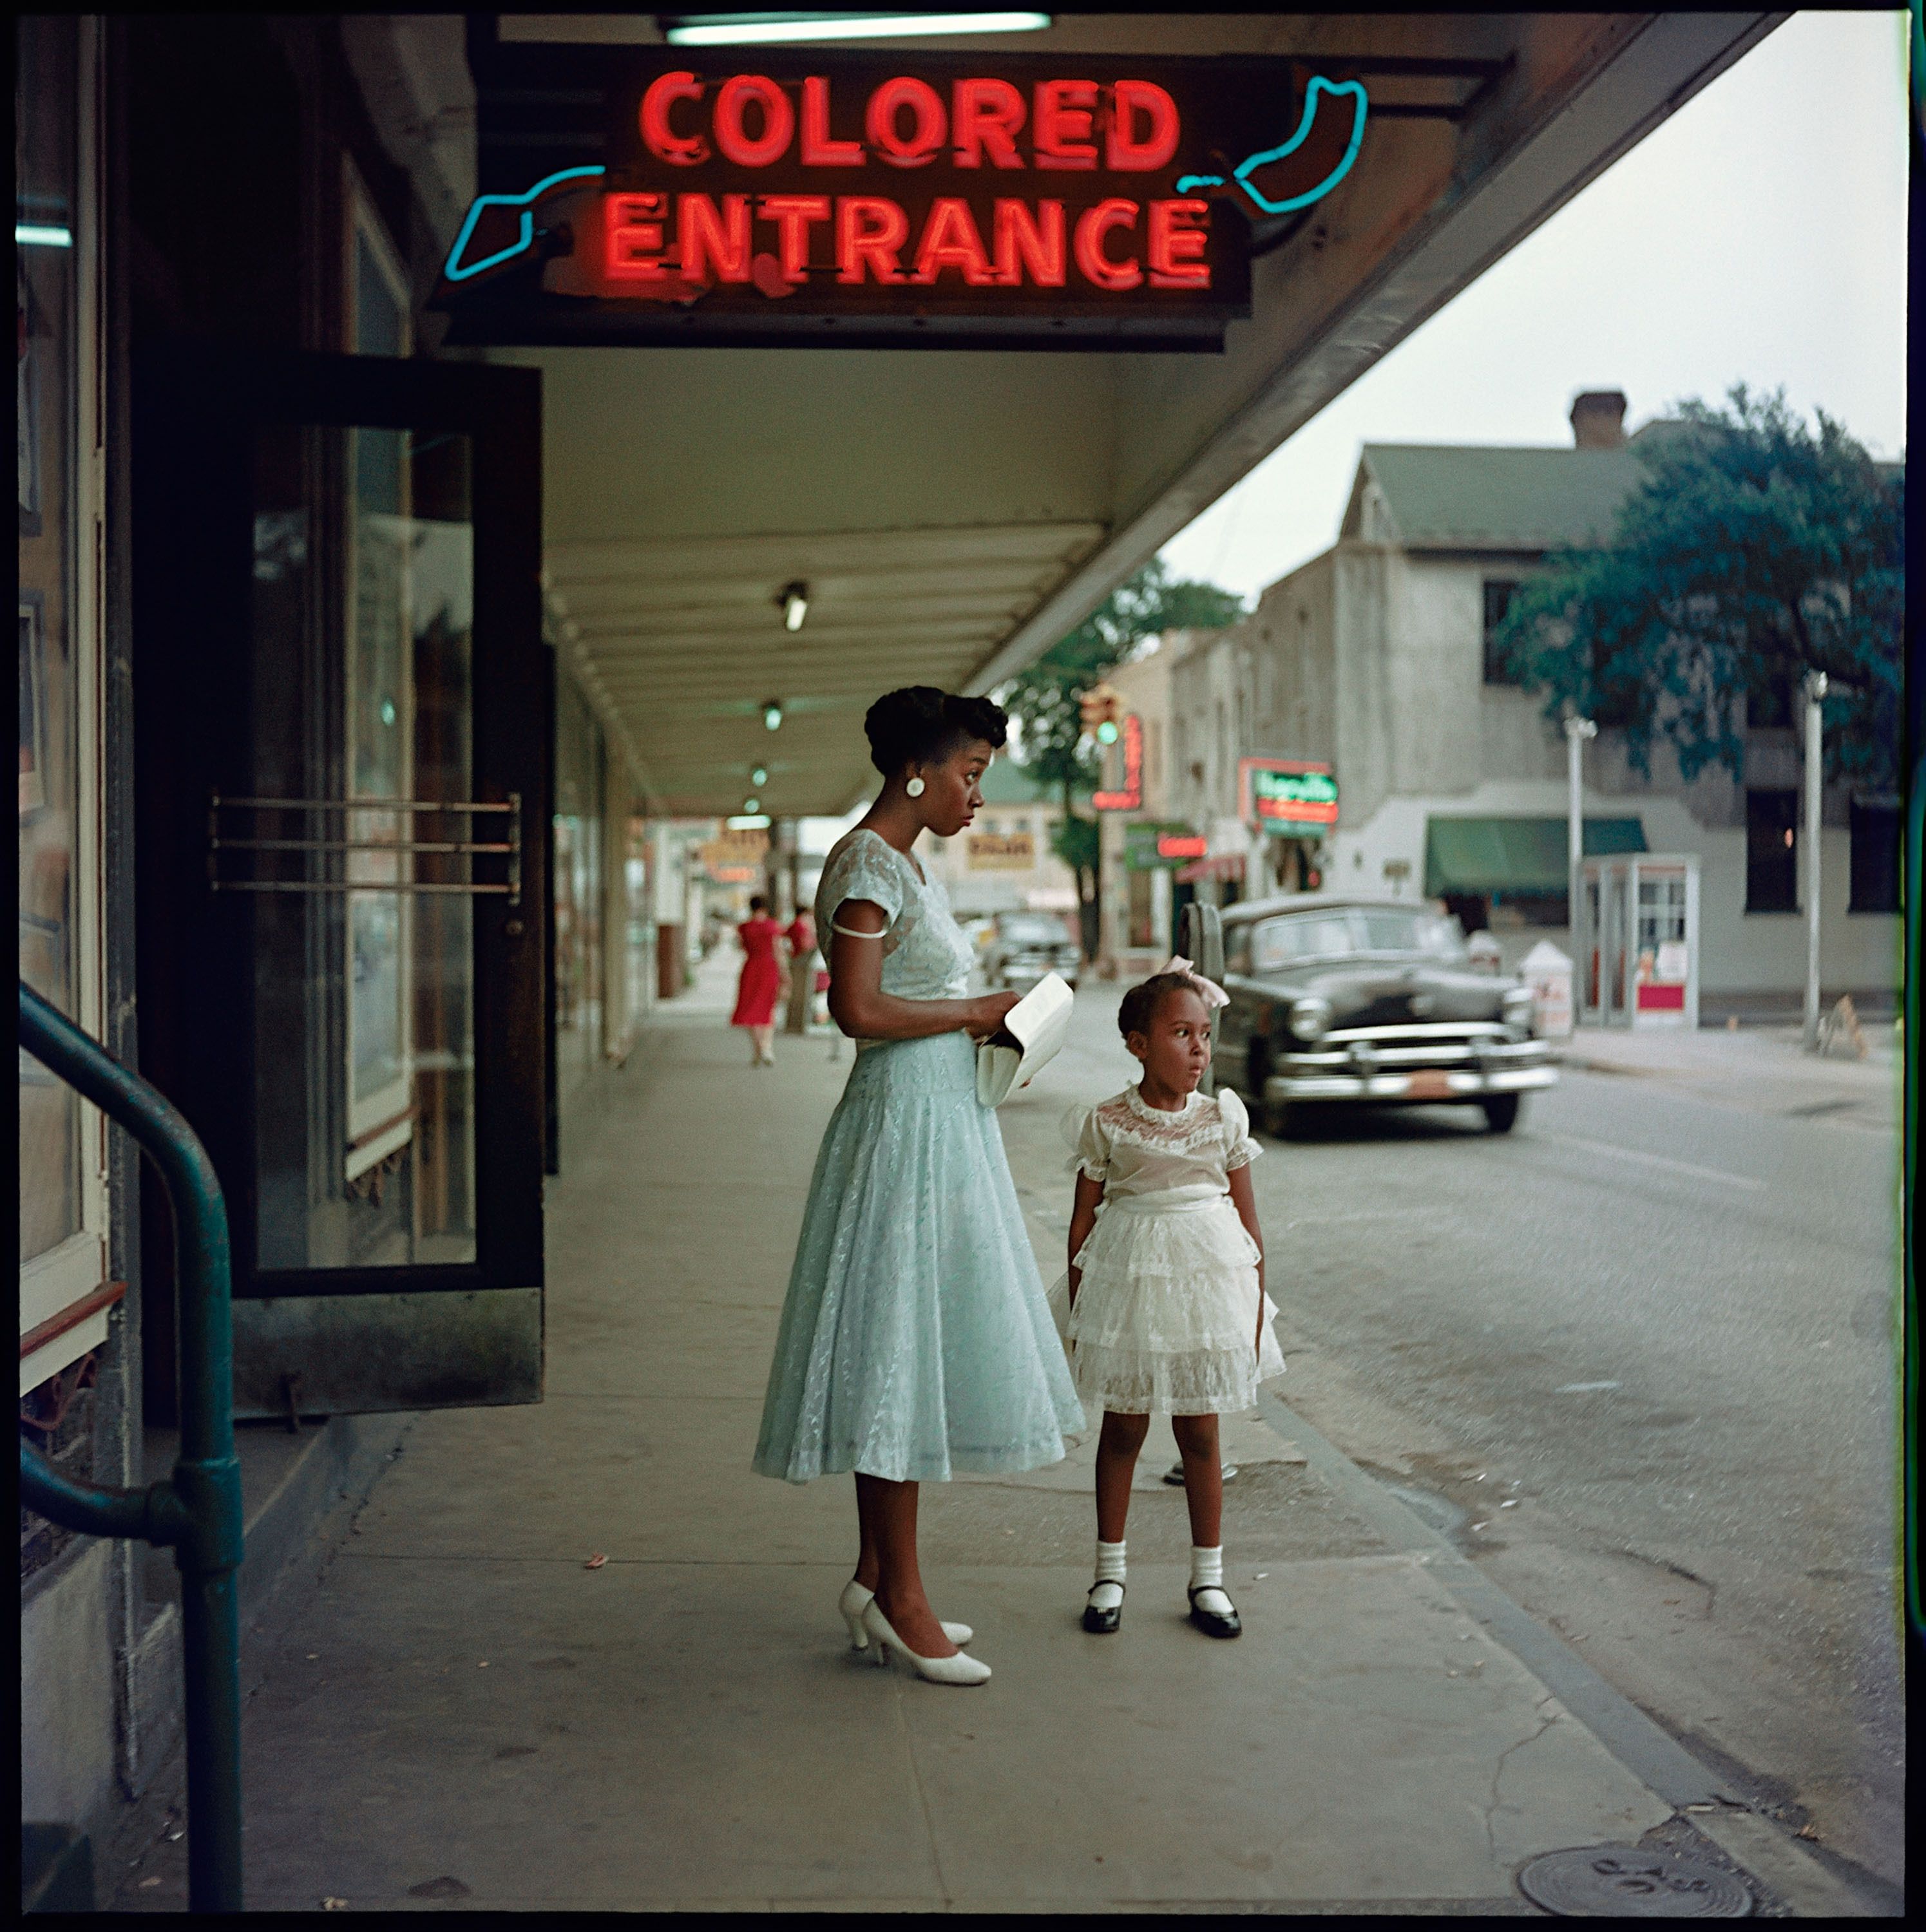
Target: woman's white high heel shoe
853, 1599
956, 1669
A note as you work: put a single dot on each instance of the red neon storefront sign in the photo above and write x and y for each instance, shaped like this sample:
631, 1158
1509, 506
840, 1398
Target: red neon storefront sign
776, 194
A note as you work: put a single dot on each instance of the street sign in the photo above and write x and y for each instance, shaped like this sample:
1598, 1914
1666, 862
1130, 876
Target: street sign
754, 195
1292, 798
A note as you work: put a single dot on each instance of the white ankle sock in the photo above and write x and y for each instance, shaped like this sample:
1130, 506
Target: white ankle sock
1107, 1591
1207, 1579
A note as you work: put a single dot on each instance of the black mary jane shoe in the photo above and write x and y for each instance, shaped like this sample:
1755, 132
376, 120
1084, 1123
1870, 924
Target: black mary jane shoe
1103, 1623
1209, 1621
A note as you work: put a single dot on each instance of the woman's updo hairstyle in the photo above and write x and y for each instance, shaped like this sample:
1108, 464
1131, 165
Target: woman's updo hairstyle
1139, 1009
921, 725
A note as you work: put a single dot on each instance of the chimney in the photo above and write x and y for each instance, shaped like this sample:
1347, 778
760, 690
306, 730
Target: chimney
1598, 419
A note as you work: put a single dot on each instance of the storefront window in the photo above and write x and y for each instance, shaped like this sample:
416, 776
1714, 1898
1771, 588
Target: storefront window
579, 796
364, 1047
51, 861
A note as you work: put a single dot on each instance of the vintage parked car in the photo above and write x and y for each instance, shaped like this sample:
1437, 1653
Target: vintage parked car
1368, 1000
1027, 945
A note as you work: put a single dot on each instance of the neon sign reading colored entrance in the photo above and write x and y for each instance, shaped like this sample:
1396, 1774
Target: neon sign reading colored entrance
776, 195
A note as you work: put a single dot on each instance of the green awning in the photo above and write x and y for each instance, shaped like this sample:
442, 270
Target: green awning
1514, 855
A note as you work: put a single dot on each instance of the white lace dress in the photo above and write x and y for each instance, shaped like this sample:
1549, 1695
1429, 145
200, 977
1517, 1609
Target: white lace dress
1165, 1322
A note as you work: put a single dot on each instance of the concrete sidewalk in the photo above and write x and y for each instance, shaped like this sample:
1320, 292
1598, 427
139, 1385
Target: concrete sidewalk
461, 1712
1761, 1069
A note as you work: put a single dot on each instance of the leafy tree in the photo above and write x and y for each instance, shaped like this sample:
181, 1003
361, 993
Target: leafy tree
1046, 699
1758, 549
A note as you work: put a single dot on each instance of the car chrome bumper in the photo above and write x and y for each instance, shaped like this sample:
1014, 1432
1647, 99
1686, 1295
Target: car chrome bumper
1506, 1068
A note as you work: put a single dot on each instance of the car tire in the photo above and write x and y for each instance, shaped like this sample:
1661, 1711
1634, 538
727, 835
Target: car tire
1501, 1112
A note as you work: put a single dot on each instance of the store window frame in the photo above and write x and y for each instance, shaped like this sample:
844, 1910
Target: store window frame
364, 227
58, 1285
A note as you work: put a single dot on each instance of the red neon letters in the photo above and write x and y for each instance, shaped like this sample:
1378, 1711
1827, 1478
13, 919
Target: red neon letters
1107, 243
701, 238
906, 121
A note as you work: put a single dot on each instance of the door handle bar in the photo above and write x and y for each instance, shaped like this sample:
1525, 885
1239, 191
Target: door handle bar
196, 1512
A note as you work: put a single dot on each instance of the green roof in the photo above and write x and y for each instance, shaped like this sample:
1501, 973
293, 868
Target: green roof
1515, 855
1451, 496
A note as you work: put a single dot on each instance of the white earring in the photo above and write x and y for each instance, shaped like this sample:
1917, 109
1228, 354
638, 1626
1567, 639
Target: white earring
914, 787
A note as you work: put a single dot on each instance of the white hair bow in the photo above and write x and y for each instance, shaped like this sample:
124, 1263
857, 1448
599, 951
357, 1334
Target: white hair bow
1212, 994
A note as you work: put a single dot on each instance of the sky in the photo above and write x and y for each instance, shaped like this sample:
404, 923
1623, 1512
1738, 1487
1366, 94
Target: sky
1758, 236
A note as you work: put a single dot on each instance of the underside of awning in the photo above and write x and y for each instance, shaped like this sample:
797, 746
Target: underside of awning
950, 513
1515, 855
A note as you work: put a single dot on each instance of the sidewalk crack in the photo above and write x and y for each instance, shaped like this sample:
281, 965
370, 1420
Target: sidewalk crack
922, 1798
1498, 1772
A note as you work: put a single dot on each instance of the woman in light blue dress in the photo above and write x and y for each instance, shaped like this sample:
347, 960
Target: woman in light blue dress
915, 1340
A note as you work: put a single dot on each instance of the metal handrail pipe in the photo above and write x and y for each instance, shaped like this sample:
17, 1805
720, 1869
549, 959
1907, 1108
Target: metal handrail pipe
197, 1512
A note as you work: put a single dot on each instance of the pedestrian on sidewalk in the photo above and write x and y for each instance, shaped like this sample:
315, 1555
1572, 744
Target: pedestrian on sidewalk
915, 1341
762, 981
1163, 1307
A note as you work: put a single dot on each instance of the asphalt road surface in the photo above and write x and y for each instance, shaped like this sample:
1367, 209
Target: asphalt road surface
1639, 1359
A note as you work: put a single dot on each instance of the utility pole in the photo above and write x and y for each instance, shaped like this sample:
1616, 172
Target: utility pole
1577, 730
1814, 693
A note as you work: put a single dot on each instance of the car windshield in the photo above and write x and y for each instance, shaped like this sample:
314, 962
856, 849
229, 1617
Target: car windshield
1393, 929
1038, 930
1310, 935
1344, 930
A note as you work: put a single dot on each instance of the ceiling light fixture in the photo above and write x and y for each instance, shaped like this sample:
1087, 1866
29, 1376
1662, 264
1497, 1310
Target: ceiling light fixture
41, 235
752, 806
792, 600
758, 776
713, 30
772, 714
749, 821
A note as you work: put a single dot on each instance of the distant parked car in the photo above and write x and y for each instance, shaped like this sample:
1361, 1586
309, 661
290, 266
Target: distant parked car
1368, 1001
1027, 945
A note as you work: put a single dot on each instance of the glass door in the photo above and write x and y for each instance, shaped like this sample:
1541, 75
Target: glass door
348, 780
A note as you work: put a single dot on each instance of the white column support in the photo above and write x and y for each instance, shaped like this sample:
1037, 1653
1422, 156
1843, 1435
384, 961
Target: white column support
1815, 693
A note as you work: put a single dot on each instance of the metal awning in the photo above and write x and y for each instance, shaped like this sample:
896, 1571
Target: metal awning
1515, 855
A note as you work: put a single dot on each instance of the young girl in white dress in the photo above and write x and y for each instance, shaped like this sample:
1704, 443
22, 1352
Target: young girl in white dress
1163, 1309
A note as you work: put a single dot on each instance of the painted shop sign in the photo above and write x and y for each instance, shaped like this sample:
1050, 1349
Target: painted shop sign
840, 198
1130, 796
1003, 852
1292, 797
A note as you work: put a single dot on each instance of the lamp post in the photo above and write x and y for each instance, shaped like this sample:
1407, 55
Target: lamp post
1577, 730
1815, 683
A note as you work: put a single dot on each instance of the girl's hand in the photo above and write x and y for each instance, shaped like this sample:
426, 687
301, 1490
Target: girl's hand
987, 1014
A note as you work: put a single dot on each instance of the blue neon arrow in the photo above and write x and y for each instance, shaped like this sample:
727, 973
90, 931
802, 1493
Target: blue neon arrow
1246, 168
523, 201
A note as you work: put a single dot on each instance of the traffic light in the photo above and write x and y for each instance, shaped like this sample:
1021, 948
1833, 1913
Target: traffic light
1100, 708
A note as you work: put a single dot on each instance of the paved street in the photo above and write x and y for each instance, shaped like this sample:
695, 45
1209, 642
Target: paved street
1639, 1358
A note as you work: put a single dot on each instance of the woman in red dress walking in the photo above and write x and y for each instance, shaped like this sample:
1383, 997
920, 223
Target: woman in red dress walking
762, 980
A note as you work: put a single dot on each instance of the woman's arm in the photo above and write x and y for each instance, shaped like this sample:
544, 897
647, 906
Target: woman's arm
1082, 1218
860, 1006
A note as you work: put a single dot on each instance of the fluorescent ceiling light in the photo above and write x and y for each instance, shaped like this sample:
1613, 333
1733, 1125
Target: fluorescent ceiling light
747, 29
772, 714
749, 821
794, 599
32, 235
